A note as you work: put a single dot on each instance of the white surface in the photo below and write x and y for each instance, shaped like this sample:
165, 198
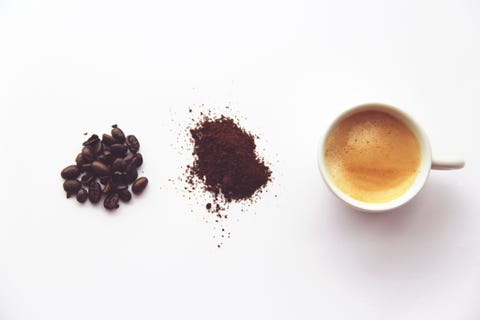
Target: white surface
72, 66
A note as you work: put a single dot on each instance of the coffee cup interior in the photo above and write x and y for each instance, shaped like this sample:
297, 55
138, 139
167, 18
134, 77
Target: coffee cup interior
423, 169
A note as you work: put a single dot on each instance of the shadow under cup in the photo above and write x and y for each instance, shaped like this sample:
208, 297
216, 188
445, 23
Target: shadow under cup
422, 172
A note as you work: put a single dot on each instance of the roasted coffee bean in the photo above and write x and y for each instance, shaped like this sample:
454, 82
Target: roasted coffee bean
91, 141
86, 167
130, 165
82, 195
118, 149
117, 164
118, 134
117, 178
87, 179
132, 143
100, 169
79, 160
70, 172
111, 201
125, 195
107, 188
88, 154
94, 192
139, 159
139, 185
121, 187
98, 148
106, 157
129, 157
71, 186
108, 139
104, 180
130, 176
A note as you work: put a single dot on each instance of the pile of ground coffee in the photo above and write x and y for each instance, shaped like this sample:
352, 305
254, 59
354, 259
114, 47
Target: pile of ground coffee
226, 163
107, 167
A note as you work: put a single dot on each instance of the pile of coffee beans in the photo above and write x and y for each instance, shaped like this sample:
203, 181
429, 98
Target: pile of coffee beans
106, 166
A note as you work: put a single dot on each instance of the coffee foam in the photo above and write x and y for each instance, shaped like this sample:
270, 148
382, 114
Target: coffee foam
372, 156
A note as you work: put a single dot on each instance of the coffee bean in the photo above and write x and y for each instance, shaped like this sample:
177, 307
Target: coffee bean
87, 179
118, 149
82, 195
111, 201
98, 148
104, 180
118, 134
70, 172
108, 139
124, 195
120, 187
107, 188
79, 160
139, 159
139, 185
132, 143
118, 178
88, 154
100, 169
131, 175
117, 164
91, 141
106, 157
71, 186
94, 192
86, 167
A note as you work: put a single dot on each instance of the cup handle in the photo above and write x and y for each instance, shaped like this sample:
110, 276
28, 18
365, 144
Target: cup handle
447, 163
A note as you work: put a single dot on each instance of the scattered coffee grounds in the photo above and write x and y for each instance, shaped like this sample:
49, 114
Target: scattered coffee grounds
225, 162
107, 167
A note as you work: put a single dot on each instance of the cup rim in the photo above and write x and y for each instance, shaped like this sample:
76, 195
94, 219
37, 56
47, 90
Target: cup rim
424, 169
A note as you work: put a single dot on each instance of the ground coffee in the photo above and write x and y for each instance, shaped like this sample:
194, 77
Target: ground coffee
226, 162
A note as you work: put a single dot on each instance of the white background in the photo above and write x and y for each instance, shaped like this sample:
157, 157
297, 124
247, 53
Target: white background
68, 67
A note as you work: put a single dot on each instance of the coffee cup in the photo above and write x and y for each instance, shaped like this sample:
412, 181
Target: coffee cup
375, 157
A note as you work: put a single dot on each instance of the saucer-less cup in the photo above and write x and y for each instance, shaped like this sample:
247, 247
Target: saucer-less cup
427, 161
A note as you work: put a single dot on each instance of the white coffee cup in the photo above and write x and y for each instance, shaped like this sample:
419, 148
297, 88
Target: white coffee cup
427, 162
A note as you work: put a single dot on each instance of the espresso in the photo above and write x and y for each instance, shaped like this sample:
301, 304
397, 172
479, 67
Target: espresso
372, 156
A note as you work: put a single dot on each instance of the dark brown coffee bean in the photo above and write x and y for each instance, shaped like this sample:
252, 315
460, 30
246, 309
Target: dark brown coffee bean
124, 195
117, 164
94, 192
111, 201
71, 186
118, 178
118, 149
118, 134
87, 179
79, 160
106, 157
91, 141
139, 185
129, 157
121, 187
70, 172
98, 148
82, 195
107, 188
88, 154
100, 169
139, 159
86, 167
132, 143
104, 180
131, 175
108, 139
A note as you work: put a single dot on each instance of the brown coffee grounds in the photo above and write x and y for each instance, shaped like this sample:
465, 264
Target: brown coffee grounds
225, 162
